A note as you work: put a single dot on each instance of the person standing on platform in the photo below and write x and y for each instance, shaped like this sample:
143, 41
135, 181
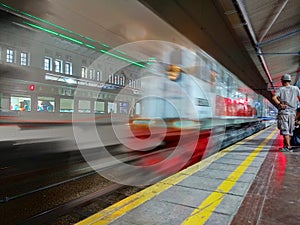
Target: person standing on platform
286, 97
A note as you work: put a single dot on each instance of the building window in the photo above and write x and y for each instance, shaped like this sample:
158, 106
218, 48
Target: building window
110, 79
48, 63
92, 74
83, 72
58, 66
10, 56
24, 59
68, 68
122, 80
130, 83
116, 79
98, 75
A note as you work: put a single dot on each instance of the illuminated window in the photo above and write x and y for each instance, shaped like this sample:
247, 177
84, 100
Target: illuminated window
58, 66
83, 72
18, 103
98, 76
68, 68
116, 79
84, 106
123, 106
122, 80
110, 79
48, 63
66, 105
24, 59
99, 107
112, 107
92, 74
46, 104
10, 55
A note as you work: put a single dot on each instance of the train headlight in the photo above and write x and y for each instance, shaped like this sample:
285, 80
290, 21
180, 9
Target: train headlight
174, 72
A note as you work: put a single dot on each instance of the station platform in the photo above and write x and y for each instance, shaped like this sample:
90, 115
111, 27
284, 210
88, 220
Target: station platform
250, 182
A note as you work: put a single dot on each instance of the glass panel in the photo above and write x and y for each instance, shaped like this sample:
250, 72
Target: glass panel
123, 107
112, 107
20, 103
84, 106
99, 107
66, 105
24, 58
46, 104
9, 56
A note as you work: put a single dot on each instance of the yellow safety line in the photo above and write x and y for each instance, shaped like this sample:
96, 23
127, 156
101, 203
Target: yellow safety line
122, 207
204, 211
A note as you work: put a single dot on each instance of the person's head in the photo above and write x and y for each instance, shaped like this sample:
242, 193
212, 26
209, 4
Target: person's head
286, 78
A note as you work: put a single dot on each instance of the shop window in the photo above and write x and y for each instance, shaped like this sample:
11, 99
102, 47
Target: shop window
123, 107
84, 106
99, 107
46, 104
112, 107
66, 105
20, 103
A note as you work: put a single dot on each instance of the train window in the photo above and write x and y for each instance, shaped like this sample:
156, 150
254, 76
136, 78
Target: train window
66, 105
10, 56
84, 106
99, 107
19, 103
68, 68
47, 63
46, 104
24, 59
58, 65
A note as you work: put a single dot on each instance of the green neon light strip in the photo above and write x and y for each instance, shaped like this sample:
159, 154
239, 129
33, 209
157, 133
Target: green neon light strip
105, 45
53, 32
57, 26
81, 43
90, 46
122, 58
121, 52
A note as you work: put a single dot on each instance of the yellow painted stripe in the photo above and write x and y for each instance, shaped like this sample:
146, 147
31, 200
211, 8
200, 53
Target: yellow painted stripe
204, 211
120, 208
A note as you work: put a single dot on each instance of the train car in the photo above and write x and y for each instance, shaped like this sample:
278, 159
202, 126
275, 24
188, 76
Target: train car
200, 112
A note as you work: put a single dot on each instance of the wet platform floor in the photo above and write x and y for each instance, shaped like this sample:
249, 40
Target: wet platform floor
250, 182
274, 196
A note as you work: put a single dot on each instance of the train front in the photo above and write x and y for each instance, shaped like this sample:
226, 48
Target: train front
171, 121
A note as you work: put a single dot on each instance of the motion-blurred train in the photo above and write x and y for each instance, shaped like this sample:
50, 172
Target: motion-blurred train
185, 101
